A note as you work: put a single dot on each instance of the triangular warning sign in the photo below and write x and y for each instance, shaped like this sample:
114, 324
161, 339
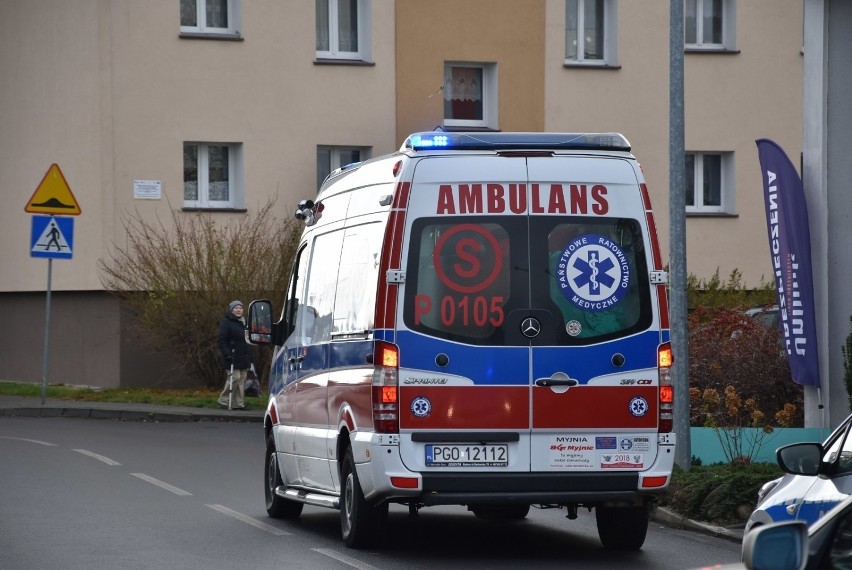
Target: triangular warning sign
51, 239
53, 195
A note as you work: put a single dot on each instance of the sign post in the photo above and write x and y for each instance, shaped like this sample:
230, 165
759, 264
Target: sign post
53, 196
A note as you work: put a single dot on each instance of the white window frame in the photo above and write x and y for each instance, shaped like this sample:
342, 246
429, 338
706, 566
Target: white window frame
726, 180
365, 30
335, 160
235, 177
610, 33
489, 96
234, 20
729, 27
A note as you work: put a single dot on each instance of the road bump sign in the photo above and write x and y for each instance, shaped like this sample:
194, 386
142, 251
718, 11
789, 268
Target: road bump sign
53, 195
52, 237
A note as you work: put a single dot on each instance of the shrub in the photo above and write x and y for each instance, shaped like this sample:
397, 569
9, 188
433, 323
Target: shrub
728, 348
177, 279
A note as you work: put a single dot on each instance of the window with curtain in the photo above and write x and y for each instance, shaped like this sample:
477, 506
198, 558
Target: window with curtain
341, 29
708, 182
210, 16
210, 175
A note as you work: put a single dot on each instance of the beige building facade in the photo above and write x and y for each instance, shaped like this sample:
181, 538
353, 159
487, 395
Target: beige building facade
220, 105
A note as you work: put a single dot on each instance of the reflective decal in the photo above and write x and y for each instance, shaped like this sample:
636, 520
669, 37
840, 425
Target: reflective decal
421, 407
638, 406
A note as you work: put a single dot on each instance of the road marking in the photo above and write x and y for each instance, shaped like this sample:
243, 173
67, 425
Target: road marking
93, 455
354, 562
29, 440
248, 520
162, 485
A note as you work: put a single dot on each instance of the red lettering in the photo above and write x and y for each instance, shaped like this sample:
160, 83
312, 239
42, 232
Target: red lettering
446, 204
536, 200
557, 200
578, 199
466, 249
601, 206
470, 199
496, 201
422, 306
518, 198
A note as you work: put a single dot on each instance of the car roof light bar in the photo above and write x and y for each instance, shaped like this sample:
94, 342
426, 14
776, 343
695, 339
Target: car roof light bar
497, 141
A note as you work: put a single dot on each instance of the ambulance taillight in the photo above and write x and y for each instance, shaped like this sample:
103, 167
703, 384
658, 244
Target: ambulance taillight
664, 365
386, 388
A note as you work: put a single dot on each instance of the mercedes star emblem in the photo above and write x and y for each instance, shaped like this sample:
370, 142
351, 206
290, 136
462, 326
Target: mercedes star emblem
530, 327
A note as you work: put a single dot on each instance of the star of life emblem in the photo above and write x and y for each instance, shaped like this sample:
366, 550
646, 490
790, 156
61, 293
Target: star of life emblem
638, 406
421, 407
593, 273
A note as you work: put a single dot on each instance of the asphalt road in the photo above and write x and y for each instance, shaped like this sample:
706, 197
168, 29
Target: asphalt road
83, 493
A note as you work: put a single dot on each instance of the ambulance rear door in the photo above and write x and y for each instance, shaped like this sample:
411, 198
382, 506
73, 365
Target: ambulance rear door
464, 376
593, 328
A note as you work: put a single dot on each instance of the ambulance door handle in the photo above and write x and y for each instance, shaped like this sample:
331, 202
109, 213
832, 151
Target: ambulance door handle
545, 382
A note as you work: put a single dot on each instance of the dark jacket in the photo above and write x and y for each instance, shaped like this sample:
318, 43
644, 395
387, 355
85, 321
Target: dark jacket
232, 338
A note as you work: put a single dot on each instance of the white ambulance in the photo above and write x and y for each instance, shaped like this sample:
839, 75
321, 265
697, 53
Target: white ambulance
479, 319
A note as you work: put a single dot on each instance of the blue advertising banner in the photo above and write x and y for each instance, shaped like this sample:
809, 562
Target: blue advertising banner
790, 249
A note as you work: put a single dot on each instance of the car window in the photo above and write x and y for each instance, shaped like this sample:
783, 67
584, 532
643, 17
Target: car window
841, 544
839, 453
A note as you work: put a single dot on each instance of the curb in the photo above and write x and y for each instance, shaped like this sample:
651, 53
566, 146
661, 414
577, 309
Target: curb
671, 519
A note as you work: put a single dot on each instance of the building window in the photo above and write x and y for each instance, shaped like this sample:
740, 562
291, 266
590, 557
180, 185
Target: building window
343, 29
470, 95
710, 24
330, 158
210, 17
212, 175
709, 181
590, 32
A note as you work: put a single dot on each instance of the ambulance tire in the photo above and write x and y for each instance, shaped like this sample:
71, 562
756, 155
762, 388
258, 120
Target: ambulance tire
501, 512
361, 524
277, 507
622, 528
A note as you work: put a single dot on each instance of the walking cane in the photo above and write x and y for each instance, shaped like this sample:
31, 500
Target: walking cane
231, 383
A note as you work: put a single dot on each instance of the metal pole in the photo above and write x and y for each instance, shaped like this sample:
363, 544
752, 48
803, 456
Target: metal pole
46, 334
677, 238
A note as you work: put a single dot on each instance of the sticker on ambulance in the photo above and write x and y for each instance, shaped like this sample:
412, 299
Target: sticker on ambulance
593, 273
571, 452
622, 461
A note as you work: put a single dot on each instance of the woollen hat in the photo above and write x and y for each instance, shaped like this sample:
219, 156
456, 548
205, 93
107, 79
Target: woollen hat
233, 304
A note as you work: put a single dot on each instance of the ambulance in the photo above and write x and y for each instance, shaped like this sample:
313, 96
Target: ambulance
478, 319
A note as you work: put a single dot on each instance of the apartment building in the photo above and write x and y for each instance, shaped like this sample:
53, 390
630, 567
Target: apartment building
218, 105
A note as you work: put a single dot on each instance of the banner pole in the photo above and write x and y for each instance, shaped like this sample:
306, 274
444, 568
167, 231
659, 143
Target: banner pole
46, 333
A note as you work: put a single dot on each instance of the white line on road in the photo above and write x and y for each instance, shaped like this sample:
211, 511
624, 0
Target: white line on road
354, 562
29, 440
160, 484
93, 455
248, 520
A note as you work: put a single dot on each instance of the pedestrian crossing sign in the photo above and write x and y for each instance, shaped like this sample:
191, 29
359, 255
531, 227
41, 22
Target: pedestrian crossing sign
52, 237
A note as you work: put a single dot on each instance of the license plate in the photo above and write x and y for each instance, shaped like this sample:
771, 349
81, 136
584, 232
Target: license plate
467, 455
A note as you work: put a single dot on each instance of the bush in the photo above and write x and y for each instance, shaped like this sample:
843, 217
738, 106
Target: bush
178, 278
728, 349
719, 494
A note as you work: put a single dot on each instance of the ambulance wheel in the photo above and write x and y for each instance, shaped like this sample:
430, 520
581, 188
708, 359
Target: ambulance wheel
622, 528
501, 512
277, 507
361, 524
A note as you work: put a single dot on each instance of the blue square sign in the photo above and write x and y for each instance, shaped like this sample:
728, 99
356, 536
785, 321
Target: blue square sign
52, 237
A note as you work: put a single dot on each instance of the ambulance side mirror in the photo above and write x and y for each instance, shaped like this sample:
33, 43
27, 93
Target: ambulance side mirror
261, 330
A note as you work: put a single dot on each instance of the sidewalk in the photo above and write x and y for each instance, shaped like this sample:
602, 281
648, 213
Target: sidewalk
32, 407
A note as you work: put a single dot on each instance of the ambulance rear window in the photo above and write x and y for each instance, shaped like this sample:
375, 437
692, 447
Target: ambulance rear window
474, 279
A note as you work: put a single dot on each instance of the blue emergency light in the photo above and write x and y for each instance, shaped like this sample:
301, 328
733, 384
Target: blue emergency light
516, 141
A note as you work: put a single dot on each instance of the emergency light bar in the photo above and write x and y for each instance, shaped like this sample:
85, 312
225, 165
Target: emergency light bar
515, 141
